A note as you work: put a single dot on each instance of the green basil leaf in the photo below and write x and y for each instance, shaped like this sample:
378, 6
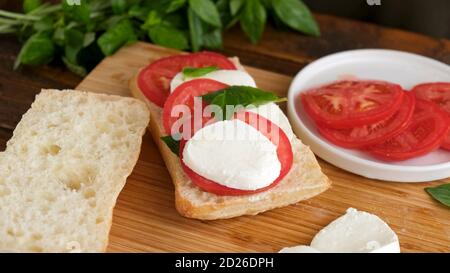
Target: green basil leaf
253, 18
235, 6
213, 39
169, 37
44, 24
174, 145
139, 12
117, 36
73, 40
89, 38
154, 18
175, 5
75, 68
79, 11
190, 72
58, 36
240, 95
38, 49
223, 6
207, 11
195, 30
110, 22
119, 6
440, 193
30, 5
296, 15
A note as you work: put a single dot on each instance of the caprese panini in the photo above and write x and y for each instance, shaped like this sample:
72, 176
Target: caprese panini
228, 146
381, 118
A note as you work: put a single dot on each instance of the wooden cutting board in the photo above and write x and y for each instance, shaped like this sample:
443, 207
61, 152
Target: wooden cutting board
145, 218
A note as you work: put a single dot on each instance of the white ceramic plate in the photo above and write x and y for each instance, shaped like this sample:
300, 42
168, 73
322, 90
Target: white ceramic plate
399, 67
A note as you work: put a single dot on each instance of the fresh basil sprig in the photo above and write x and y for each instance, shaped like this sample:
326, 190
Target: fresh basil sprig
239, 96
190, 72
101, 27
440, 193
173, 144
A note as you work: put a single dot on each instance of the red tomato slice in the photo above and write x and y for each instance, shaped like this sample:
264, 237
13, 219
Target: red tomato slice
439, 93
272, 132
184, 96
366, 135
348, 104
428, 129
154, 80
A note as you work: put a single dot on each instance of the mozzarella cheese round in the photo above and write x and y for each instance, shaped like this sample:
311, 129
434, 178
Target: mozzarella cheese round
299, 249
233, 154
229, 77
357, 231
272, 112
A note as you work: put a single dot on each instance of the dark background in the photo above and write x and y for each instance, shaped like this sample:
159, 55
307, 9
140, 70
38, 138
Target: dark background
431, 17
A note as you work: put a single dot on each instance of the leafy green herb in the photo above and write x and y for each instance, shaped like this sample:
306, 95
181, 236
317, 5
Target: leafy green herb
440, 193
206, 10
196, 30
30, 5
240, 96
117, 36
119, 6
296, 15
75, 68
253, 19
38, 49
82, 34
175, 5
173, 144
169, 37
213, 39
235, 6
79, 13
190, 72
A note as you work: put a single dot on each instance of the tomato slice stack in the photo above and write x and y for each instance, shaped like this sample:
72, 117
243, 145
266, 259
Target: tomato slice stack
381, 118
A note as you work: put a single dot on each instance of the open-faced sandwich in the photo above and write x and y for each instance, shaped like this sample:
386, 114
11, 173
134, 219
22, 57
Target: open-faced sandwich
228, 146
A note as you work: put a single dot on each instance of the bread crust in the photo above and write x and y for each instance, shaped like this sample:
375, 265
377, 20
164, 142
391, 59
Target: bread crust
304, 180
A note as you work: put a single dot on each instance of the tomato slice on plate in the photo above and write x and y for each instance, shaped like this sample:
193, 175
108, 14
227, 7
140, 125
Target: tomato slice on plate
272, 132
348, 104
184, 97
439, 93
374, 133
427, 130
154, 80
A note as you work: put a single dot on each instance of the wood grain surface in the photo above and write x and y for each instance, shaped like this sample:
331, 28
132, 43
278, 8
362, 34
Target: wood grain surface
145, 218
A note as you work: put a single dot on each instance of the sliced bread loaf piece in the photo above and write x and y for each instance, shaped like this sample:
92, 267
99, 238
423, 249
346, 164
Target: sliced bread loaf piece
64, 168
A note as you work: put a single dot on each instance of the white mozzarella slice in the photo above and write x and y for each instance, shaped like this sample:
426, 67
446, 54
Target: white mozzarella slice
272, 112
229, 77
299, 249
233, 154
357, 231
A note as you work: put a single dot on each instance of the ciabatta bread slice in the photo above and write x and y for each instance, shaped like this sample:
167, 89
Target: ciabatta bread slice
304, 180
63, 169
